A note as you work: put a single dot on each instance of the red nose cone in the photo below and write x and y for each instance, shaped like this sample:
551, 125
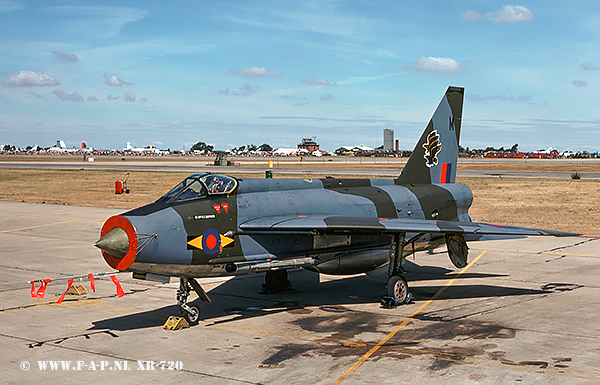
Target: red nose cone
124, 255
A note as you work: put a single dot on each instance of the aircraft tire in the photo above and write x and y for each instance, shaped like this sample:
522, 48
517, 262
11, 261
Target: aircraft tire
192, 316
276, 280
397, 288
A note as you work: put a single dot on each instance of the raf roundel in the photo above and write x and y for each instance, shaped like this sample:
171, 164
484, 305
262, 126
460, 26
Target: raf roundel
211, 241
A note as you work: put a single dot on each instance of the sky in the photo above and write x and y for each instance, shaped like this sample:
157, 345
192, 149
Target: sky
230, 73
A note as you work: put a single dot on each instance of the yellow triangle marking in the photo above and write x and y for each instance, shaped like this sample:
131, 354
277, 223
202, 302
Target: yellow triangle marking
225, 241
196, 242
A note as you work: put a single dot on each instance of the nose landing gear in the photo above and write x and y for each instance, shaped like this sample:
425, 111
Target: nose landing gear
191, 313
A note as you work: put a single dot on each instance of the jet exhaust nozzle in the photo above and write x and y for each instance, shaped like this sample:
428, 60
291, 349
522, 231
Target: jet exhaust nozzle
115, 242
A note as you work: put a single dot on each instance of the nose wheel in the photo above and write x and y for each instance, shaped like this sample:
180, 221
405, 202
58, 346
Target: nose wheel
190, 313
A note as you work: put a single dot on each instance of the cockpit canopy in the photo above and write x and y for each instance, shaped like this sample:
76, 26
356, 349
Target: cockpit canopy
199, 186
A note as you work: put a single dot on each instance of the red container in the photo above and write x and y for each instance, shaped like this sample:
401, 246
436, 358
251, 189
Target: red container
119, 184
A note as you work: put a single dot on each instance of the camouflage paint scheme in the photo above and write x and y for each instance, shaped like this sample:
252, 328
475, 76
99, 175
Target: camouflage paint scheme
334, 226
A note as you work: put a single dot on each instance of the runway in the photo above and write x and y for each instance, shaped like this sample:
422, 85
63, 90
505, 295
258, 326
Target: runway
525, 311
288, 166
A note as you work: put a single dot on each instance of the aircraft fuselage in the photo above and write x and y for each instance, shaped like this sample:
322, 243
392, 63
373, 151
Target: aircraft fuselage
205, 236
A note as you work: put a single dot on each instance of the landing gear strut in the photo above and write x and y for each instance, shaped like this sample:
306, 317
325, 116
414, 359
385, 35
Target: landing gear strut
275, 281
191, 313
397, 287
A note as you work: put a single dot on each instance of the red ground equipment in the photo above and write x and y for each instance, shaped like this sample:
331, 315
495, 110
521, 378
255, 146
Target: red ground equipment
121, 185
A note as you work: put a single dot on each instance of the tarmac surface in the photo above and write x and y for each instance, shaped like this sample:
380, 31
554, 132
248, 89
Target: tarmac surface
525, 311
379, 167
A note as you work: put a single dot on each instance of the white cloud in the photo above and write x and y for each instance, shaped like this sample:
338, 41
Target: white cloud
437, 64
255, 72
9, 6
588, 67
319, 82
510, 14
92, 99
99, 21
64, 57
137, 124
579, 83
26, 78
470, 15
111, 97
129, 97
113, 80
506, 14
74, 97
247, 89
327, 97
503, 98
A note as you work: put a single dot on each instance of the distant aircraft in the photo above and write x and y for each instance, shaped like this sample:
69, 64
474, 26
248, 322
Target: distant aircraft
60, 146
149, 149
214, 225
285, 151
549, 150
85, 148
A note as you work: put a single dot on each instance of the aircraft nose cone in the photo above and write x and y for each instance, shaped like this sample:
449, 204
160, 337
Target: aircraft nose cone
115, 242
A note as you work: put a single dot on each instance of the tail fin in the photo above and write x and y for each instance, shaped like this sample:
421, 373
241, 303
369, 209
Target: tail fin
435, 156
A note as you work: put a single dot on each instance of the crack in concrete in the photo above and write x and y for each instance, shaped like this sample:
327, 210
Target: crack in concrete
573, 245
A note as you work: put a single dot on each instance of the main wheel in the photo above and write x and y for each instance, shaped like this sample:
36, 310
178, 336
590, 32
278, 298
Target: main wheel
276, 280
192, 316
397, 288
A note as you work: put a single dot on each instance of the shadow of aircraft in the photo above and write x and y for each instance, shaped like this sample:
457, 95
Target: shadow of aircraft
239, 298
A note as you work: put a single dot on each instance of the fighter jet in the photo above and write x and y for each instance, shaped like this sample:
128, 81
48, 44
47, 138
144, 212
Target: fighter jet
215, 225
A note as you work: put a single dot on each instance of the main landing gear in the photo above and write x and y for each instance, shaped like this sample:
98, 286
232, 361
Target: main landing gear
397, 287
191, 313
276, 281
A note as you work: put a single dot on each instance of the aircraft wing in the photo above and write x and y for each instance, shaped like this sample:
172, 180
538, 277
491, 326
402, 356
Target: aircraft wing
329, 223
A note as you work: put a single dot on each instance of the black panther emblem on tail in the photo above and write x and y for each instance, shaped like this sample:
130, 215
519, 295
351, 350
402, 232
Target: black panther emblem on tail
432, 148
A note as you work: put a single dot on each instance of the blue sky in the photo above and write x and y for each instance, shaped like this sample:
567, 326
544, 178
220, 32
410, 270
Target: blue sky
231, 73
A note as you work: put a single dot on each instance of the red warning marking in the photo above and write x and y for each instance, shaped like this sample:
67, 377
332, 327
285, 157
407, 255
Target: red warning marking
41, 291
225, 207
62, 297
92, 282
91, 276
120, 292
127, 260
217, 208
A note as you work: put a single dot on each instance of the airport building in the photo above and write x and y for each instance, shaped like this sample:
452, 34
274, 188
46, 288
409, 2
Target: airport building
388, 139
309, 145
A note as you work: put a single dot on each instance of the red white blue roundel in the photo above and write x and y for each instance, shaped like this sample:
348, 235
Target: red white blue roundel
211, 241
